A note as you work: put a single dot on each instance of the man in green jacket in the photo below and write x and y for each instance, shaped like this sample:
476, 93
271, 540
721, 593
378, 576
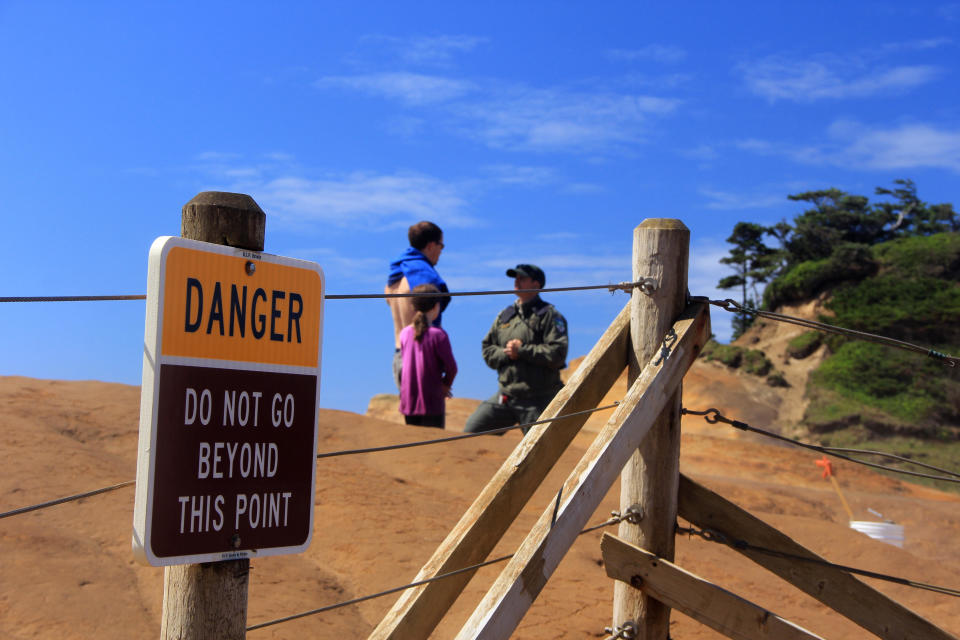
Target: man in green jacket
527, 345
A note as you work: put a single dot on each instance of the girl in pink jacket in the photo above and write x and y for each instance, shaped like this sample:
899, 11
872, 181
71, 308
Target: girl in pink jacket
428, 368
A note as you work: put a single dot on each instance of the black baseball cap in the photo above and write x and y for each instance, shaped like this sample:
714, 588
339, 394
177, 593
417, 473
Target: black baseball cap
530, 271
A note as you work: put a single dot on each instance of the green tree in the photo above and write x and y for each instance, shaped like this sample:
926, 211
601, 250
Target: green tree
753, 263
836, 217
912, 216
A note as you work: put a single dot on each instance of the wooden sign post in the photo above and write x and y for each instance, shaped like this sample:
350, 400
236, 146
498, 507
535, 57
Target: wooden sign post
650, 478
210, 600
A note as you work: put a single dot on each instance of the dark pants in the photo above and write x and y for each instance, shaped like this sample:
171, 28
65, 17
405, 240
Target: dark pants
426, 421
493, 414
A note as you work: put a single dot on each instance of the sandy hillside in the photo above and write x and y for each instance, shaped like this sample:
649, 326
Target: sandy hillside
67, 572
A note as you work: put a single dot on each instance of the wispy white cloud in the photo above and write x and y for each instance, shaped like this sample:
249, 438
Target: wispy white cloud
917, 45
580, 261
362, 200
583, 188
216, 156
557, 236
830, 77
656, 52
756, 145
950, 11
409, 88
334, 261
521, 175
702, 153
852, 144
657, 81
905, 147
437, 51
512, 116
550, 120
241, 173
728, 201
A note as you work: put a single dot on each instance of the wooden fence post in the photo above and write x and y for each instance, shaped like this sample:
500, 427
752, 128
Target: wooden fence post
209, 600
650, 479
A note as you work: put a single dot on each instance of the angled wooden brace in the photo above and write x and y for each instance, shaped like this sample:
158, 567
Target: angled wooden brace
418, 611
703, 601
498, 614
835, 588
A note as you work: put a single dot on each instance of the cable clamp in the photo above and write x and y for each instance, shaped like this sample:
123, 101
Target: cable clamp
710, 535
626, 631
710, 415
646, 285
633, 514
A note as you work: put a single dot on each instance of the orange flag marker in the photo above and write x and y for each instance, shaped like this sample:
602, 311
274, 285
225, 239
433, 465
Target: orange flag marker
828, 473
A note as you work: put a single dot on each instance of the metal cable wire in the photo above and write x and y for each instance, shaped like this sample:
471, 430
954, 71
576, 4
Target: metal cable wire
735, 307
376, 595
78, 496
462, 436
69, 298
616, 519
647, 285
712, 535
331, 454
833, 451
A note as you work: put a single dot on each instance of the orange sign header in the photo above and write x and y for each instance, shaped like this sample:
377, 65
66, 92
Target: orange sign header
229, 304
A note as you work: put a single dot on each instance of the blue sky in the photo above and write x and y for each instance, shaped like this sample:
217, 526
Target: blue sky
538, 132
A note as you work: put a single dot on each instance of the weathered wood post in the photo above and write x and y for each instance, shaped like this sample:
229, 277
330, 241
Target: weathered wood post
209, 600
651, 477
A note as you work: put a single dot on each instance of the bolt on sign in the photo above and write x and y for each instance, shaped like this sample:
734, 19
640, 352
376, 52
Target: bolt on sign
228, 411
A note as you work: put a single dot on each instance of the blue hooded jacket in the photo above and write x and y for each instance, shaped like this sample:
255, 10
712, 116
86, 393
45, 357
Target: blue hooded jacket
413, 265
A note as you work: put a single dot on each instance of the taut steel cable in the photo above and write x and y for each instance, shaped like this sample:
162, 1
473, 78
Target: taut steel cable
462, 436
713, 416
647, 285
615, 519
712, 535
734, 307
52, 503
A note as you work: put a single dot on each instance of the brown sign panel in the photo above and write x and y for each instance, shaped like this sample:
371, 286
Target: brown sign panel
239, 452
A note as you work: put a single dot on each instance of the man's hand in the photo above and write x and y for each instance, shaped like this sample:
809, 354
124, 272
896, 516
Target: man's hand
513, 349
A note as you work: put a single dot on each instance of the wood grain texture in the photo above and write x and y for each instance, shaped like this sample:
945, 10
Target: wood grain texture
703, 601
209, 600
835, 588
661, 249
219, 217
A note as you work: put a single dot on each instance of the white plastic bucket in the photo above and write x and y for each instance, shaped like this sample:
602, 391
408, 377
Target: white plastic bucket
883, 531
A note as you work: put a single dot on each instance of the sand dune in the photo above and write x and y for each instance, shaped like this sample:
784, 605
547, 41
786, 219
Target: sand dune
68, 571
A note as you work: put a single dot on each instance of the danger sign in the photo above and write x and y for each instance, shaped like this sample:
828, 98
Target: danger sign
231, 376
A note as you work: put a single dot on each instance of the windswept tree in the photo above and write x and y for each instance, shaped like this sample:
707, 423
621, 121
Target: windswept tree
753, 263
836, 218
912, 216
827, 244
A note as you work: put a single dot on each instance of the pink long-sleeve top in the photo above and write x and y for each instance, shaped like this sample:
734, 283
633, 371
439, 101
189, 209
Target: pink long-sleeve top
428, 365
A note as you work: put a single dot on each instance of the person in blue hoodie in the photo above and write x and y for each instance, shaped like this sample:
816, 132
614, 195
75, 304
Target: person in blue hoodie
414, 267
